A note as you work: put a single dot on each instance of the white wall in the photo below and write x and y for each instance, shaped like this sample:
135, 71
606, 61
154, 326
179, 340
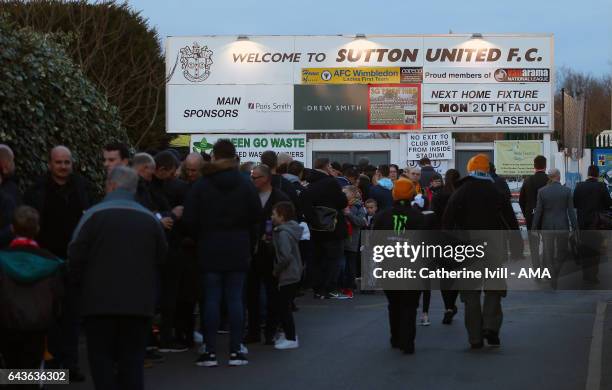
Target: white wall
332, 145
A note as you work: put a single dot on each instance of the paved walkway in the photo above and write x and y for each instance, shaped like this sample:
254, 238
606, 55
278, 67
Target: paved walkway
546, 344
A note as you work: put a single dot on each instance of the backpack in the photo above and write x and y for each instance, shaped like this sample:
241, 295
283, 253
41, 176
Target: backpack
324, 219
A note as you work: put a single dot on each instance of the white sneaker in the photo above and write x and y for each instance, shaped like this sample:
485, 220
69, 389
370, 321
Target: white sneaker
243, 349
287, 344
202, 349
425, 320
279, 336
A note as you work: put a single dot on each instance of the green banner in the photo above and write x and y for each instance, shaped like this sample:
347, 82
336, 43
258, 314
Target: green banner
516, 157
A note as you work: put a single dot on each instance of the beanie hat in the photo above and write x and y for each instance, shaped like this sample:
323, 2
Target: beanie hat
403, 190
478, 163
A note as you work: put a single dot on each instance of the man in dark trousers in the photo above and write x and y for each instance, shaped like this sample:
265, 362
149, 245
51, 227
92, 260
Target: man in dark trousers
173, 191
591, 197
527, 200
324, 195
403, 304
555, 216
222, 212
260, 271
477, 205
113, 257
61, 197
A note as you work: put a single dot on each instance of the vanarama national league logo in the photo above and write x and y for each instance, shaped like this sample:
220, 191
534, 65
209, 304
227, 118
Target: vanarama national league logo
195, 62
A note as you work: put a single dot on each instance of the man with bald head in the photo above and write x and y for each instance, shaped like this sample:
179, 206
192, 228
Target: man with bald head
61, 197
192, 167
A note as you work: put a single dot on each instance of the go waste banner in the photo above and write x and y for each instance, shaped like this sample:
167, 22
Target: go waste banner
279, 84
249, 147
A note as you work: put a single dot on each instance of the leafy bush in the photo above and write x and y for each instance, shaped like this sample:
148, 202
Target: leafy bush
45, 100
117, 51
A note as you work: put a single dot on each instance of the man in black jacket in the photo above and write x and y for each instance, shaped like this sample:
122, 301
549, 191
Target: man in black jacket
116, 248
173, 191
263, 261
222, 212
591, 197
403, 304
477, 205
328, 245
270, 158
61, 197
528, 200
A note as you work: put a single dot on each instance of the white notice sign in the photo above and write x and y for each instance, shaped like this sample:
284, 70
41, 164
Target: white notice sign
436, 146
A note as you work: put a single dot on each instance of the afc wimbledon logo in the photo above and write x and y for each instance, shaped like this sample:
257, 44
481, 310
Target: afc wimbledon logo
196, 62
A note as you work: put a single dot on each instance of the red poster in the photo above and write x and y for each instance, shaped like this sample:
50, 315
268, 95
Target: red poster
394, 106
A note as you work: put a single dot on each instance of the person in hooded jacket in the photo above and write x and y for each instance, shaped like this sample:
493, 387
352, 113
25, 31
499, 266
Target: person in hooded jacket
402, 304
31, 284
477, 205
222, 212
381, 192
287, 269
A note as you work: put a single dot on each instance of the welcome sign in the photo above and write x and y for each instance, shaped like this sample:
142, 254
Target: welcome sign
402, 83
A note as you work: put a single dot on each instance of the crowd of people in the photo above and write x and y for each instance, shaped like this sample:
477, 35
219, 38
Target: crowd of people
177, 251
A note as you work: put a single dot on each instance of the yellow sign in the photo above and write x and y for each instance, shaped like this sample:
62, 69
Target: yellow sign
181, 141
365, 75
516, 157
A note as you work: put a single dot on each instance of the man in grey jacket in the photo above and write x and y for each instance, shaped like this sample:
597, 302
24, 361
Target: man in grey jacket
554, 216
113, 258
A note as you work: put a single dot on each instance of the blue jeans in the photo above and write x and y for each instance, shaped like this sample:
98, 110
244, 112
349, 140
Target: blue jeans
216, 284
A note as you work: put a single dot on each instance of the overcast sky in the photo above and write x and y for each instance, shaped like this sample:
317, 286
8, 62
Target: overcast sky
582, 29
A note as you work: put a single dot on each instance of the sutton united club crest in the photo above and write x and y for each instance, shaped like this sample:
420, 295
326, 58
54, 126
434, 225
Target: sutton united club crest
195, 62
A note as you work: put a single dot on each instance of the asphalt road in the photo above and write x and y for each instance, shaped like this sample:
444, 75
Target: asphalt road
546, 344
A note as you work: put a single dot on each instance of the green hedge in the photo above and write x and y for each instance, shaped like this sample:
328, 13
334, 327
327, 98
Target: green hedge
45, 100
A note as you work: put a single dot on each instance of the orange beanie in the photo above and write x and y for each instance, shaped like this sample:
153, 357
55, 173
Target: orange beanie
403, 189
478, 163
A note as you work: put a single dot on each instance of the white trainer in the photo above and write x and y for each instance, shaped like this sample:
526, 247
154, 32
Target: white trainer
287, 344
